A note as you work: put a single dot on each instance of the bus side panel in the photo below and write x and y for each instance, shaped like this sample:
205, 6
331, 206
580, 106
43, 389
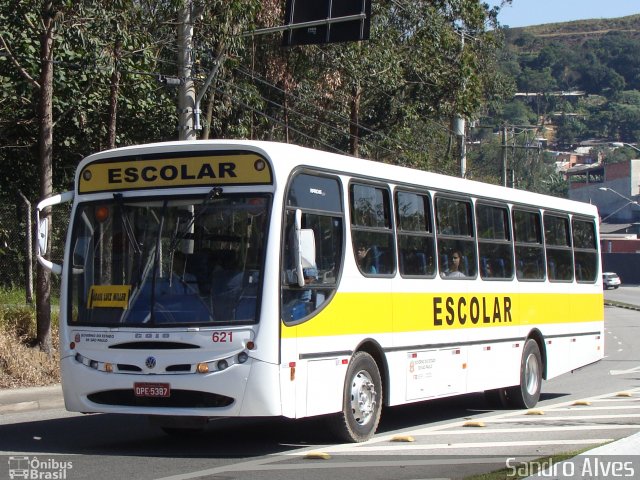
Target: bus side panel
589, 348
557, 354
262, 395
325, 344
565, 353
572, 327
494, 365
289, 377
586, 349
325, 381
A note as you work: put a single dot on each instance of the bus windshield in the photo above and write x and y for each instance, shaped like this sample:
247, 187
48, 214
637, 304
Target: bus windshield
137, 262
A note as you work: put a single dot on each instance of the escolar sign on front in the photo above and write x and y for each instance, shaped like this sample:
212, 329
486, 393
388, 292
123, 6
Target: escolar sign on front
198, 170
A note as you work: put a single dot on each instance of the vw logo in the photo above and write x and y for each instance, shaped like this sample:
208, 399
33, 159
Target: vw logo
150, 362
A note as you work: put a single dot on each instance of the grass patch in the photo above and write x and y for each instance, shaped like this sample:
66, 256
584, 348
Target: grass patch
526, 469
22, 364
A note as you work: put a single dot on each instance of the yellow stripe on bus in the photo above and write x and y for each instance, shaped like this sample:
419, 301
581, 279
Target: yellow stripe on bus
358, 313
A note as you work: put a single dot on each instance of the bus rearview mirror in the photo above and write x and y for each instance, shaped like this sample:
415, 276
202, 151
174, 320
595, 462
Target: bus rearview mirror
43, 234
305, 249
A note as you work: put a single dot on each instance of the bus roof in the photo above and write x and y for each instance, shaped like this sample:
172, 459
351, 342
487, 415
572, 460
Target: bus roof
286, 157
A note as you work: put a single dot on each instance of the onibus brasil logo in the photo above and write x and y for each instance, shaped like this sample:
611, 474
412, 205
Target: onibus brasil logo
35, 469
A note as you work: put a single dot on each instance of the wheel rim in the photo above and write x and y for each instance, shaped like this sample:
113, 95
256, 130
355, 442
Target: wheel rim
532, 374
363, 397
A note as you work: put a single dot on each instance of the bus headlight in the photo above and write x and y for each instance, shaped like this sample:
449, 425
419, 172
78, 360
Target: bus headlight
222, 364
96, 365
214, 366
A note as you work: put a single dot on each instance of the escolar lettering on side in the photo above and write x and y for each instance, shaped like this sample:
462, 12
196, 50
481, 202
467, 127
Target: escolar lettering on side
475, 310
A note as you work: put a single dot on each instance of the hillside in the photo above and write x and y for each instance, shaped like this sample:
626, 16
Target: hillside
575, 32
575, 80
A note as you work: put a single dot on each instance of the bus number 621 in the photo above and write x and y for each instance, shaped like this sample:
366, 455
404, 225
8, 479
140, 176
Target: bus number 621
222, 337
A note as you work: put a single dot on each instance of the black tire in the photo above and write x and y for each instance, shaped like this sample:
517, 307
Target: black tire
497, 398
361, 401
527, 394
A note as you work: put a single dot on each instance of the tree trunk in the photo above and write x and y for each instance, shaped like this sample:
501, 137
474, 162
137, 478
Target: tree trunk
45, 110
354, 131
113, 97
28, 249
206, 131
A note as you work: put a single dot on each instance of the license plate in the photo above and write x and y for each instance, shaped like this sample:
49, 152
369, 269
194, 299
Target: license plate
153, 390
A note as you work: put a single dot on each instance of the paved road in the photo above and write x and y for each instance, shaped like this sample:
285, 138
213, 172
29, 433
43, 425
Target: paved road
452, 438
629, 294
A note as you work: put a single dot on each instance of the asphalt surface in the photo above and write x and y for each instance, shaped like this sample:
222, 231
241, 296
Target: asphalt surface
50, 397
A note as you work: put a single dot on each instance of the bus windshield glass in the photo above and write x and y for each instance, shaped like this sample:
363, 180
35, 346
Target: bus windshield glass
137, 262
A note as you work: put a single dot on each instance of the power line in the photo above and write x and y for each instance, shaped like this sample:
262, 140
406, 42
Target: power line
280, 122
330, 112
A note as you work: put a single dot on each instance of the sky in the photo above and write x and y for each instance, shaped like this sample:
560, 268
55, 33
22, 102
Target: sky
524, 13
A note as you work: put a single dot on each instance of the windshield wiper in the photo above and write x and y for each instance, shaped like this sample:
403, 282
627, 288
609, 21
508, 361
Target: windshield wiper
126, 224
214, 193
156, 265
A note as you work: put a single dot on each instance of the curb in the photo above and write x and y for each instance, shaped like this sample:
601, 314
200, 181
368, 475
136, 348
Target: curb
626, 306
29, 399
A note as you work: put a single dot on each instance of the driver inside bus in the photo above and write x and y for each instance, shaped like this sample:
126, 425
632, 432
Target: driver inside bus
300, 303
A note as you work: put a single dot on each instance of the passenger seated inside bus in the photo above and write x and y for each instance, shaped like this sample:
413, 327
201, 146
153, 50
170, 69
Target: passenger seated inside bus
368, 258
455, 266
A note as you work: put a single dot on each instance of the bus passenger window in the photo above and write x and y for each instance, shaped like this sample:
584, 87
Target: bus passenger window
371, 233
494, 242
585, 250
558, 247
527, 232
416, 242
456, 242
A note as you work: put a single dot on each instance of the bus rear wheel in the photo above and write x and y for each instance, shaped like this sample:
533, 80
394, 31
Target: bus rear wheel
361, 402
527, 394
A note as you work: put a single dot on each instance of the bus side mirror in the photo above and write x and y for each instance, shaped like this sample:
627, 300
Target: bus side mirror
42, 230
42, 234
304, 249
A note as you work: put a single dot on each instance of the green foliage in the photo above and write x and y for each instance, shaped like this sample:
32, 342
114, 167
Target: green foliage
401, 87
600, 58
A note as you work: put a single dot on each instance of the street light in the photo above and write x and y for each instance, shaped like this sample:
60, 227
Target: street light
623, 144
629, 201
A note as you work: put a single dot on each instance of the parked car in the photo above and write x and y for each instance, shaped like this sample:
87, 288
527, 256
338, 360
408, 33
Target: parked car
610, 280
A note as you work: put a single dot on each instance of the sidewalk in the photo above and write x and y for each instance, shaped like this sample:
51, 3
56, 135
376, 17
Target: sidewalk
27, 399
621, 457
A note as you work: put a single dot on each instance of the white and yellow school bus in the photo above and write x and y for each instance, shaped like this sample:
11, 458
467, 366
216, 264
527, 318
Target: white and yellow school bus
240, 278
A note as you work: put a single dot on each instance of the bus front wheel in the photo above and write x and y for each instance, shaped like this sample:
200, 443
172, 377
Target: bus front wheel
361, 402
527, 394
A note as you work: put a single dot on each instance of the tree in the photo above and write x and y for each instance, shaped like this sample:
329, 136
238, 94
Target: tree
569, 130
62, 29
44, 88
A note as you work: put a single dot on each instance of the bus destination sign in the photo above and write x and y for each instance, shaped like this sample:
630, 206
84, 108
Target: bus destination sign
135, 173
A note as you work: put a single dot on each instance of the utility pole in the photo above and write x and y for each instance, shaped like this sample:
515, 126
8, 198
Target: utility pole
186, 90
459, 130
508, 175
461, 127
504, 156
